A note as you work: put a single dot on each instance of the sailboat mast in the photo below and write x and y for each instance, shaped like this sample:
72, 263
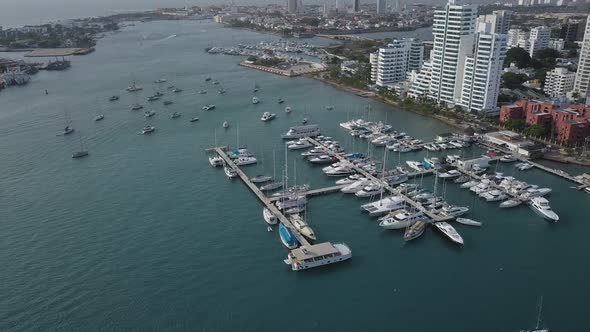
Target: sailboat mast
383, 175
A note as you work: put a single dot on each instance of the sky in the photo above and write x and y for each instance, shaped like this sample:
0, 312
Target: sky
22, 12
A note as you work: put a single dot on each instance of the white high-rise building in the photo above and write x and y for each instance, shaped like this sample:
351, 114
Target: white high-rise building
292, 6
374, 60
582, 82
483, 70
559, 82
539, 39
381, 7
499, 20
453, 30
420, 81
397, 59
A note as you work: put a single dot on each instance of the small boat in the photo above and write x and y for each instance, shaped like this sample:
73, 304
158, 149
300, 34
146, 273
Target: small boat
329, 108
350, 179
304, 121
269, 229
299, 145
507, 158
467, 221
134, 88
302, 226
462, 179
295, 210
510, 203
493, 195
523, 166
269, 217
208, 79
160, 80
202, 92
168, 102
322, 159
175, 115
287, 237
541, 206
271, 186
67, 130
230, 172
267, 116
261, 179
216, 83
450, 174
243, 161
453, 211
469, 184
449, 231
225, 124
400, 219
153, 98
195, 119
148, 130
255, 100
136, 107
114, 98
208, 107
288, 109
415, 230
99, 117
221, 91
149, 114
280, 101
80, 154
176, 90
370, 190
215, 161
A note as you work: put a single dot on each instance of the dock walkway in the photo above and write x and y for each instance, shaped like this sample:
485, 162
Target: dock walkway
390, 189
265, 200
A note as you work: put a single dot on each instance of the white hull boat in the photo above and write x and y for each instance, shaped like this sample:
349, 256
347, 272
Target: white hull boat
467, 221
269, 217
384, 205
449, 231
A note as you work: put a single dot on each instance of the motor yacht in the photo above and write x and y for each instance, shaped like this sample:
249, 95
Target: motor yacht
493, 195
208, 107
453, 211
400, 219
261, 179
230, 172
215, 161
148, 130
302, 131
243, 161
149, 114
450, 174
469, 184
267, 116
322, 159
369, 190
510, 203
99, 117
541, 206
449, 231
355, 186
350, 179
271, 186
302, 226
269, 217
467, 221
299, 145
340, 171
384, 205
195, 119
507, 158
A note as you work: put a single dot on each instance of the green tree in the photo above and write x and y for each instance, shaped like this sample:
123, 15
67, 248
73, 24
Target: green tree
545, 58
519, 56
512, 80
536, 131
515, 124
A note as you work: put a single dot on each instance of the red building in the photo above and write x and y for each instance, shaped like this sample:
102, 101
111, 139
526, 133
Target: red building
571, 125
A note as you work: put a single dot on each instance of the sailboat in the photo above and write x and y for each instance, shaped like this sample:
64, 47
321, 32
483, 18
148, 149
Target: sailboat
68, 129
81, 153
538, 326
272, 185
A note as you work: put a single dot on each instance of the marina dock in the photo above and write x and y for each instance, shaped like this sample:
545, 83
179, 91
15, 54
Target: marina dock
390, 189
268, 203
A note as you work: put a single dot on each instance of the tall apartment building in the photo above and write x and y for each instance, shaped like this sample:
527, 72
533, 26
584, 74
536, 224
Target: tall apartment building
569, 31
483, 69
539, 39
453, 29
381, 7
420, 81
518, 38
356, 6
559, 82
374, 61
292, 6
582, 81
397, 59
499, 20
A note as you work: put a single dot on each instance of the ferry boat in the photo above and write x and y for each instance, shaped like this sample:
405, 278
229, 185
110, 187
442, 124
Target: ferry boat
449, 231
541, 206
269, 217
302, 131
317, 255
287, 237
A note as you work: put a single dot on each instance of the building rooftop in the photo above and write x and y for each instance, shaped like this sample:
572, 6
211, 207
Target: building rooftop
315, 250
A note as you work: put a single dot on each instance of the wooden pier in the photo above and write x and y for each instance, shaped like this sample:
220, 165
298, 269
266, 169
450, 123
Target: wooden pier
265, 200
313, 192
390, 189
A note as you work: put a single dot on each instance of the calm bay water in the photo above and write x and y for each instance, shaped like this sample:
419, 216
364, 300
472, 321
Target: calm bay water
144, 235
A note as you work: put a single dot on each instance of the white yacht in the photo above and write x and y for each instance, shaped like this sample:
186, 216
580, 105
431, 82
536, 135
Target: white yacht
510, 203
215, 161
416, 165
302, 131
299, 145
450, 174
344, 170
302, 226
449, 231
269, 217
242, 161
493, 195
453, 211
541, 206
507, 158
317, 255
469, 184
291, 201
355, 186
350, 179
267, 116
230, 172
400, 219
370, 190
322, 159
467, 221
384, 205
523, 166
261, 178
148, 130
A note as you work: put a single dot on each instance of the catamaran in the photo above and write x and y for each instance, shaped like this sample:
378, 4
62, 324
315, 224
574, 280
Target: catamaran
384, 205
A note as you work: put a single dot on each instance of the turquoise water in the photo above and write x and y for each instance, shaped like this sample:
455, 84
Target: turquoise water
144, 234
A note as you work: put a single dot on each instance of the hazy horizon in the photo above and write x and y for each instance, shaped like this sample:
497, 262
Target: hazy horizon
22, 12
